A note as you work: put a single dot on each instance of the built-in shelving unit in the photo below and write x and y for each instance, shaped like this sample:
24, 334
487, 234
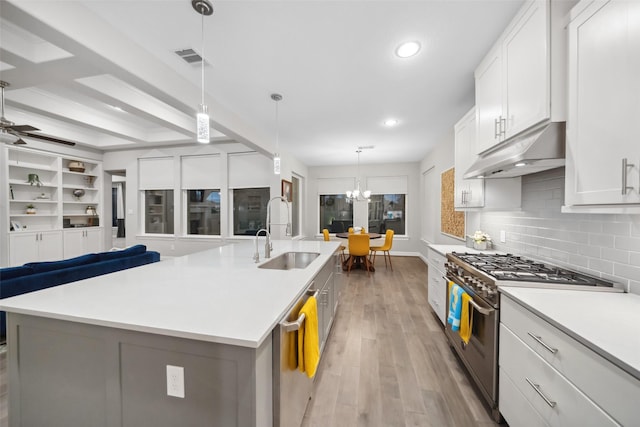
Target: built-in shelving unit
33, 181
42, 203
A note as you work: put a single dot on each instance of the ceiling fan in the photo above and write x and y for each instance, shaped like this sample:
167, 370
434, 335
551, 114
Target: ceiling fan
11, 133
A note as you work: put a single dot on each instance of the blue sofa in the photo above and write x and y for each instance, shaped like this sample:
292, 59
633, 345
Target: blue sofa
35, 276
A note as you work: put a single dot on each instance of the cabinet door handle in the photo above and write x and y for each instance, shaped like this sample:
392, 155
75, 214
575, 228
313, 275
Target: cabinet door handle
536, 387
625, 167
496, 132
503, 126
542, 343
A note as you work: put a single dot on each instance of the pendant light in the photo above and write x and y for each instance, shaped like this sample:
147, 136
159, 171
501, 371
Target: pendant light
357, 195
276, 156
204, 8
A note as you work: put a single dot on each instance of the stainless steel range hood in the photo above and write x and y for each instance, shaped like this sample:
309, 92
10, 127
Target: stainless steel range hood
539, 149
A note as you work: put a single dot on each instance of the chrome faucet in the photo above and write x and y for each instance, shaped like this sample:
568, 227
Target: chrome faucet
267, 247
269, 223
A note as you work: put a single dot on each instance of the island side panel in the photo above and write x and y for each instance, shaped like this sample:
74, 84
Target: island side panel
64, 373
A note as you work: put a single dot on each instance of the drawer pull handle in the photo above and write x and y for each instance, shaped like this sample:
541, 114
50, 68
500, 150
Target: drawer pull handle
542, 343
536, 387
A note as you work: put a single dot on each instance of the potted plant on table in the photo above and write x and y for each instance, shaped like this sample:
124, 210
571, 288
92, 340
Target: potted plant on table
30, 209
481, 240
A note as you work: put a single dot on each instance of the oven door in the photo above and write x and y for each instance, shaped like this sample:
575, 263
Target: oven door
480, 355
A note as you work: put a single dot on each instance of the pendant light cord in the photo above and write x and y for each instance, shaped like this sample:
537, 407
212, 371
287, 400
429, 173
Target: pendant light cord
277, 129
202, 32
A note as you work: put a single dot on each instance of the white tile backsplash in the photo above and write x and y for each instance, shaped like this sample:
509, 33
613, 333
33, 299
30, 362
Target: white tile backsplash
605, 245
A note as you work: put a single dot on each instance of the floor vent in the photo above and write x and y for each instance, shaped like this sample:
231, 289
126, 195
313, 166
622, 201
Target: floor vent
189, 55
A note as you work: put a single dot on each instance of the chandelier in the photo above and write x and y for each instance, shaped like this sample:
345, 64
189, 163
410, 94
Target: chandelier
357, 195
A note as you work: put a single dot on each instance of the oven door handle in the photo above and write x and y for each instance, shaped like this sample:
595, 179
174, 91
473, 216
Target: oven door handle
482, 310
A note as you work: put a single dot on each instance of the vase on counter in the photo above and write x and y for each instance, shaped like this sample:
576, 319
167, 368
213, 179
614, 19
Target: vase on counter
481, 246
30, 210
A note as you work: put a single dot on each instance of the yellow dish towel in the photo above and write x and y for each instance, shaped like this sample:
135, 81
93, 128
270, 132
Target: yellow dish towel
308, 340
466, 318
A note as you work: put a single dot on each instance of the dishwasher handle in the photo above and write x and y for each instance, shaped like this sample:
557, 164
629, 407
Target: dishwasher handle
295, 325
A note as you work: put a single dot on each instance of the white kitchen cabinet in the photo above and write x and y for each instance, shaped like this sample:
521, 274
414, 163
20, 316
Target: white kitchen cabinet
518, 80
603, 127
469, 193
34, 246
586, 388
437, 284
81, 241
504, 193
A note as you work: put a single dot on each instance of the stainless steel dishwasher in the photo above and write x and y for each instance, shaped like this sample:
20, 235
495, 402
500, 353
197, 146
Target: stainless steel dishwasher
291, 388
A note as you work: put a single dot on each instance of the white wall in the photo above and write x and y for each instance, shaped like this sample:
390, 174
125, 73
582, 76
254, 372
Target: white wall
437, 161
402, 245
604, 245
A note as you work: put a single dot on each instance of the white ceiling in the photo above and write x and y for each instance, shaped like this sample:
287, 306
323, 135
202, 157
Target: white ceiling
333, 62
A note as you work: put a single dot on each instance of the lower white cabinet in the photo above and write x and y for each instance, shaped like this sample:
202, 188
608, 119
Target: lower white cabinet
34, 246
562, 380
437, 285
82, 241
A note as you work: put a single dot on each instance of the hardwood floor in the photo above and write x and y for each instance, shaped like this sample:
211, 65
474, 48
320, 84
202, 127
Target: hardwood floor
387, 362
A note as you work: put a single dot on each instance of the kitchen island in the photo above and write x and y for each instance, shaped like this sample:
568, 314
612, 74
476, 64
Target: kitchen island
95, 352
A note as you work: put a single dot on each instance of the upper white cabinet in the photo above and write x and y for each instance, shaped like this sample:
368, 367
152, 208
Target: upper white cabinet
603, 127
469, 193
504, 193
517, 81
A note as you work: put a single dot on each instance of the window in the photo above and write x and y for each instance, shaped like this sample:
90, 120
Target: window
335, 213
387, 212
158, 211
249, 210
203, 212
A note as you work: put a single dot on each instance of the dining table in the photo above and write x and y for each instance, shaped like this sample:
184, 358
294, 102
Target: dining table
359, 262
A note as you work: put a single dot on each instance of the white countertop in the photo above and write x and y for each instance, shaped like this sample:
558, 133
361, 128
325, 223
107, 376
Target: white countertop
217, 295
445, 249
607, 323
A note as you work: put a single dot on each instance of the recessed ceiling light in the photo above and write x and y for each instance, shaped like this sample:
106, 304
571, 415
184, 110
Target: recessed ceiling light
520, 164
115, 107
407, 49
390, 122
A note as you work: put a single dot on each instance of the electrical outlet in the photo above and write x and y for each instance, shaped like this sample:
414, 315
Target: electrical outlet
175, 381
503, 236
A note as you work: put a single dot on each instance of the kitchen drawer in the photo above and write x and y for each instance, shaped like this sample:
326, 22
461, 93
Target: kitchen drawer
514, 407
609, 386
437, 295
436, 258
567, 406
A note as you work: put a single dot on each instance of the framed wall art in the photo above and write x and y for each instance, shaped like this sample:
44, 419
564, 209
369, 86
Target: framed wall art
287, 190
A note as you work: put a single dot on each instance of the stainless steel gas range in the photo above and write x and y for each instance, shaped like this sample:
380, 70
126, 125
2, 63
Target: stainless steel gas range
480, 275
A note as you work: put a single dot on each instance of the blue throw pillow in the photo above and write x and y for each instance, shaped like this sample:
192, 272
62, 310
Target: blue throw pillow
42, 267
133, 250
13, 272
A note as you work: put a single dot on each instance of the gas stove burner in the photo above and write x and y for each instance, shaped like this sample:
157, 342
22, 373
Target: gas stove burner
512, 268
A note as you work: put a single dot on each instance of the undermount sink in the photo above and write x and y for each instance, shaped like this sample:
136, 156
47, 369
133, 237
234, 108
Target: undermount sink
290, 260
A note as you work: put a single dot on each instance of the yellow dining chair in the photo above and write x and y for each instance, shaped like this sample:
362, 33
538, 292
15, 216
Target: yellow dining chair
358, 248
388, 242
342, 248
